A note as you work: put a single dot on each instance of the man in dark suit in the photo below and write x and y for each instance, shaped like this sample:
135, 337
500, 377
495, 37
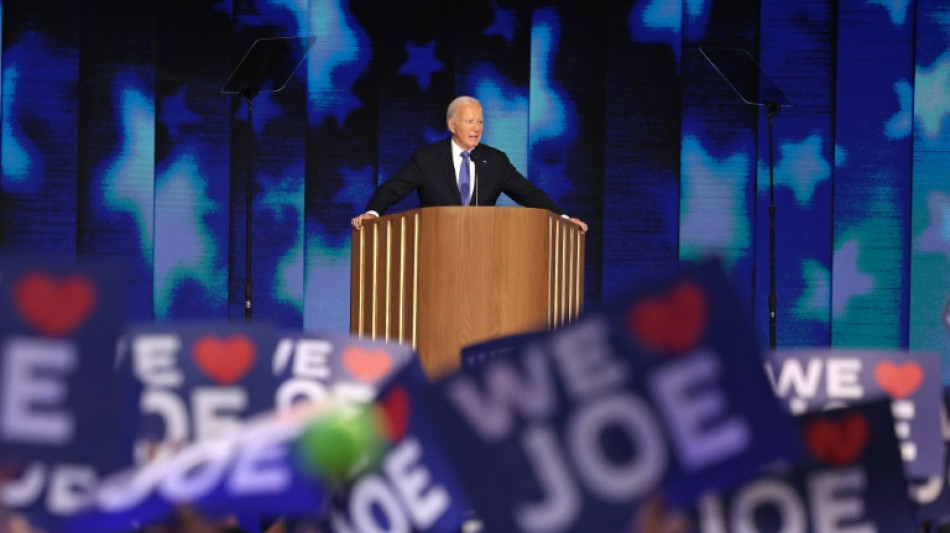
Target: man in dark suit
438, 172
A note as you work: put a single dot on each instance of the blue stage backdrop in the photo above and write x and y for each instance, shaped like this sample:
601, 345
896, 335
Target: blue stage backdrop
116, 141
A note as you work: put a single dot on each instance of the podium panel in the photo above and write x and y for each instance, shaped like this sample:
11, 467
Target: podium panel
441, 278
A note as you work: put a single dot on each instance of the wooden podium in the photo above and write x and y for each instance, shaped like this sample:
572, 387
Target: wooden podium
442, 278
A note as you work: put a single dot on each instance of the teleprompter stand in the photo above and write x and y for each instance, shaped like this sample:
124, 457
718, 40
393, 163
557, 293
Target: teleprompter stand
744, 75
267, 66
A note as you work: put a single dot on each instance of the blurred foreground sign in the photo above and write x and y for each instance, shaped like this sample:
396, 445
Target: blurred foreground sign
196, 380
852, 479
413, 488
252, 470
815, 379
663, 390
60, 419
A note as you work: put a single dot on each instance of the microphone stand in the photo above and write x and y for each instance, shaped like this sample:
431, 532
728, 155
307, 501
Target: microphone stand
772, 109
474, 177
753, 86
268, 65
248, 96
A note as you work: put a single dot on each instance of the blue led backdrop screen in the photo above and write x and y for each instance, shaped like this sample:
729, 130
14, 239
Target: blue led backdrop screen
118, 142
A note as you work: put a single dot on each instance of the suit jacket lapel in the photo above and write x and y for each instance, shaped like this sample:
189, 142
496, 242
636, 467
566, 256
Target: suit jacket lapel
448, 170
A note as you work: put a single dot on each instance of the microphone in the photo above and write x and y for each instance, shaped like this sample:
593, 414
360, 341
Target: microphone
473, 155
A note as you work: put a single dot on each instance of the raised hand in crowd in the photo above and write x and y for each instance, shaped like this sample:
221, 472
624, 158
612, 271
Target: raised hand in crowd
654, 517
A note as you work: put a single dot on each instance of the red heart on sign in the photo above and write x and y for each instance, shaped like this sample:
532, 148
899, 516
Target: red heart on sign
225, 361
672, 323
837, 442
54, 307
899, 381
367, 365
395, 414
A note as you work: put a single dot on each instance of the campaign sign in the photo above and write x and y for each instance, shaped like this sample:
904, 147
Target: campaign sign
61, 426
810, 379
851, 480
932, 495
196, 380
478, 354
312, 368
662, 389
412, 489
46, 492
202, 380
253, 470
59, 322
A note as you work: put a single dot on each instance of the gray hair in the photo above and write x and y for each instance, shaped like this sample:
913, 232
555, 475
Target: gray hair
454, 105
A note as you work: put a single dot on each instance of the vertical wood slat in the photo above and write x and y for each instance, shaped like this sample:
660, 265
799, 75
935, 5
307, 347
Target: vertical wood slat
556, 274
358, 284
558, 266
579, 260
551, 268
569, 303
385, 278
565, 277
566, 272
379, 282
413, 291
572, 259
386, 297
399, 271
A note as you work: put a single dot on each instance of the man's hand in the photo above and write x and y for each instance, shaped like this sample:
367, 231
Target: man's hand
654, 517
580, 223
357, 222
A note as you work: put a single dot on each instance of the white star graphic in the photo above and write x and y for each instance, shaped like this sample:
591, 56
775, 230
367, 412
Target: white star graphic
336, 63
936, 237
801, 167
132, 165
848, 280
550, 113
185, 248
813, 303
896, 9
658, 21
714, 214
932, 102
899, 125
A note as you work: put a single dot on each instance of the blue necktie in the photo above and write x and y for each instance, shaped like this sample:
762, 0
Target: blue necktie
464, 179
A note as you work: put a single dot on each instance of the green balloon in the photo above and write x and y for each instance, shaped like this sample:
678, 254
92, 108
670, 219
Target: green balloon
341, 443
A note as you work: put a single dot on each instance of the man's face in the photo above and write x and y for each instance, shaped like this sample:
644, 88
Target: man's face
466, 126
